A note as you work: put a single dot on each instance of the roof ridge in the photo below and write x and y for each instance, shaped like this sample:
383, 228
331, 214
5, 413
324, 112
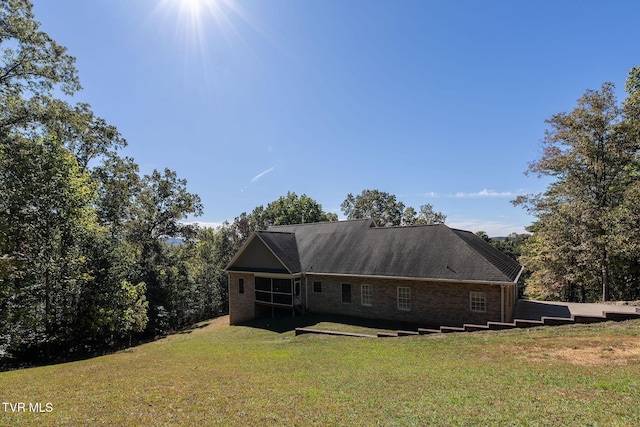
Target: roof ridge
322, 222
275, 232
395, 227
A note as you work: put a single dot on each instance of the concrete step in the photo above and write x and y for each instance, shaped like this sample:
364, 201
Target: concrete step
407, 333
494, 326
618, 316
300, 331
588, 319
555, 321
425, 331
469, 327
449, 329
525, 323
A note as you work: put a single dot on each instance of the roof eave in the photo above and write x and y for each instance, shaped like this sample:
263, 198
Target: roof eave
519, 274
419, 279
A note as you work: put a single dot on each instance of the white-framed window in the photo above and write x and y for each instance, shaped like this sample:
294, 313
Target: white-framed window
478, 301
404, 298
366, 293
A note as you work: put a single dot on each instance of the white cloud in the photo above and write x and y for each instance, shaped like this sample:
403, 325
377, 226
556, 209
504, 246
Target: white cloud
492, 228
429, 194
256, 178
261, 174
205, 224
485, 193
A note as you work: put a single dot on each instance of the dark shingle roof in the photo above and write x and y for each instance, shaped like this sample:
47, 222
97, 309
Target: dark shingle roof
283, 245
358, 248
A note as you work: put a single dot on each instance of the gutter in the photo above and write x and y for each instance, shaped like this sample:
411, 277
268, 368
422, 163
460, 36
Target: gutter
502, 303
419, 279
519, 274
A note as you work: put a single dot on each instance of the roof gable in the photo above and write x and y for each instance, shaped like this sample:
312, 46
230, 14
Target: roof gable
273, 254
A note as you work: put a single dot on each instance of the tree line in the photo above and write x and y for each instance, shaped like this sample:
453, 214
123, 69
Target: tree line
83, 263
585, 244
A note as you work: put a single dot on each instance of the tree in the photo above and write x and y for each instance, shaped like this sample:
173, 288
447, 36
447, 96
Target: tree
82, 257
159, 207
286, 210
426, 216
386, 210
118, 186
592, 154
33, 66
383, 208
293, 209
46, 213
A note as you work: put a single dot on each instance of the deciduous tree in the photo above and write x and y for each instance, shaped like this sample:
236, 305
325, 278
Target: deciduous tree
592, 154
382, 207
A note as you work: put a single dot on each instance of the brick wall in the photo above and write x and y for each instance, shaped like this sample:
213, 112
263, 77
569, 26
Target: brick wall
241, 306
432, 303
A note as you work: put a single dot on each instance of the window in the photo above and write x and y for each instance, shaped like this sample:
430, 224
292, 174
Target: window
241, 286
478, 302
282, 286
274, 290
346, 293
317, 287
404, 298
366, 295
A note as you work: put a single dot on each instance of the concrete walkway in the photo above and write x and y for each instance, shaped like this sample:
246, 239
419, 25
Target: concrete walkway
534, 310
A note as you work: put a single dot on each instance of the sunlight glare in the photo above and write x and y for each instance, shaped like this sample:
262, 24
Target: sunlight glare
197, 21
203, 31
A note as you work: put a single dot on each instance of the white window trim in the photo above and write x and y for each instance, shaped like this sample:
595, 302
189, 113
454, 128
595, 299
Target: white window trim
476, 299
403, 307
369, 293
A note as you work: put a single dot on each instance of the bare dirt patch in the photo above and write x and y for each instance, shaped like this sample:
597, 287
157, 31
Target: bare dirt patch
211, 325
587, 352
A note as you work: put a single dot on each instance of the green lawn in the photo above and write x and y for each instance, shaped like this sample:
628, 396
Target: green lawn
221, 375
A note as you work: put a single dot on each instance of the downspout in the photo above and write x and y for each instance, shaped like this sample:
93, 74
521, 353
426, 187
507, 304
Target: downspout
306, 293
502, 303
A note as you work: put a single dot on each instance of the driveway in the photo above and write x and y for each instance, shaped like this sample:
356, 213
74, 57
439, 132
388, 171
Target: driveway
534, 310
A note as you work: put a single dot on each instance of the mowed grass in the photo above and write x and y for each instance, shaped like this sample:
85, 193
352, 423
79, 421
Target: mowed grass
240, 375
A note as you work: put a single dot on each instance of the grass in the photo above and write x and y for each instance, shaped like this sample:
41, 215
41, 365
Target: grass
259, 375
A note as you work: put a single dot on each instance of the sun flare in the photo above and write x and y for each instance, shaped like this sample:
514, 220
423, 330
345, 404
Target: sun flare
198, 21
199, 32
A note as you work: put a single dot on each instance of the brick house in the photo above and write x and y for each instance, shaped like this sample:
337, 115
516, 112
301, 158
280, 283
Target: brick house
428, 275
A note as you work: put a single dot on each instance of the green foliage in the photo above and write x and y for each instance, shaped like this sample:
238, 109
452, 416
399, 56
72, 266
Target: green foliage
83, 266
286, 210
382, 207
386, 210
426, 216
48, 218
293, 209
581, 250
32, 67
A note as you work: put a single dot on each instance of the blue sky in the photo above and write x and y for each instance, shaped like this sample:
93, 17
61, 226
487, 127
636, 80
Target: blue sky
439, 102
